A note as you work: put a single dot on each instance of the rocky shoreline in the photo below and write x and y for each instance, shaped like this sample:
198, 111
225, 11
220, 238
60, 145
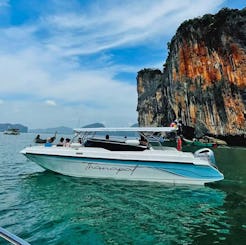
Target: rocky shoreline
232, 140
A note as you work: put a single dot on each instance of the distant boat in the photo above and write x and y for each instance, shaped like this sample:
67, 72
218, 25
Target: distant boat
12, 131
206, 141
215, 140
129, 159
197, 142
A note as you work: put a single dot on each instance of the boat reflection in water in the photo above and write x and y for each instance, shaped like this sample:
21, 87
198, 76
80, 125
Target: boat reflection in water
128, 159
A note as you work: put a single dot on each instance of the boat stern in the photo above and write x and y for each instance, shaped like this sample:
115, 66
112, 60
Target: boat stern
206, 157
206, 154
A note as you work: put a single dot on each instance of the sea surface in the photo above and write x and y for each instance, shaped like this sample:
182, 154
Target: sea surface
46, 208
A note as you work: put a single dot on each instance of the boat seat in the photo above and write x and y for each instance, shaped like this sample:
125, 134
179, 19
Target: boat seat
132, 142
75, 145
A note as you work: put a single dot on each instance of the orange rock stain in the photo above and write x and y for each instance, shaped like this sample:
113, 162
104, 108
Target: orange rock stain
196, 62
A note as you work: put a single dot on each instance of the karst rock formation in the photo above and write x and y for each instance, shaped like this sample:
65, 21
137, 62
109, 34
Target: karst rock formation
203, 81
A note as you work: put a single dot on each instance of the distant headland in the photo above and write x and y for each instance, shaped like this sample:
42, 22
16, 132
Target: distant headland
59, 130
62, 129
6, 126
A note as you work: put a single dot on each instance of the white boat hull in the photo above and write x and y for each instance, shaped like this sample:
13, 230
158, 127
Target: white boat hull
149, 165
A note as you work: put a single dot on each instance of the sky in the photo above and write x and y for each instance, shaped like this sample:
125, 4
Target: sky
74, 62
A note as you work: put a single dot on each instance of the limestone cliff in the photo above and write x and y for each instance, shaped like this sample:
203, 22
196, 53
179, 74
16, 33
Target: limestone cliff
204, 78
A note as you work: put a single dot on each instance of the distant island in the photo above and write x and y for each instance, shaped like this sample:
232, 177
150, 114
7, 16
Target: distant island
59, 130
5, 126
63, 129
94, 125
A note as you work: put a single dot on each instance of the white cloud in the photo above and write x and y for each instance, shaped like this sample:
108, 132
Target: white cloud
50, 102
90, 31
43, 59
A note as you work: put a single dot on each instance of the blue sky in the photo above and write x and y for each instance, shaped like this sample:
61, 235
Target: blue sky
75, 62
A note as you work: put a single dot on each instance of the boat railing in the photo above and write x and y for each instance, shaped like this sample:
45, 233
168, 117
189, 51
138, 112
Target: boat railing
151, 139
13, 239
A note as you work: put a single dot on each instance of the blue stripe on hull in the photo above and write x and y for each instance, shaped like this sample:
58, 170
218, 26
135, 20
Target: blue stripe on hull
184, 170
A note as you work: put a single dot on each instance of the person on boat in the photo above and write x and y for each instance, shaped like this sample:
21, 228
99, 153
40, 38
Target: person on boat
107, 137
174, 124
180, 127
67, 142
80, 140
52, 139
37, 137
61, 142
38, 140
142, 140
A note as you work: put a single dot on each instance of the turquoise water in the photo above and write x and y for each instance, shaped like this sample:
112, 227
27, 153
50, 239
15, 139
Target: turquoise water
46, 208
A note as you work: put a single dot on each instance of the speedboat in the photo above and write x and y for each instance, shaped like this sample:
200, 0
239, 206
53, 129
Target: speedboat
140, 159
12, 131
196, 142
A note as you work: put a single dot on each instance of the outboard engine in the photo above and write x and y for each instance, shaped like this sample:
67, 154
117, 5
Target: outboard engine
207, 154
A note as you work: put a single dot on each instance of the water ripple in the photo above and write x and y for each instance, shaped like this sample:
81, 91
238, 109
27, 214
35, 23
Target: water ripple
46, 208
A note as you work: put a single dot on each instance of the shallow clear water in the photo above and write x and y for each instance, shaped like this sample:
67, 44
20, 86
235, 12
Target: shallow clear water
46, 208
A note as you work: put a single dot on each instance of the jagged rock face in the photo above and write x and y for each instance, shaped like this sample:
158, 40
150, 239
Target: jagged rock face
204, 77
153, 105
150, 97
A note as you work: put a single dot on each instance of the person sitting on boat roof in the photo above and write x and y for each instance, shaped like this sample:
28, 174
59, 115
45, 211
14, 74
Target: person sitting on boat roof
61, 142
174, 124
